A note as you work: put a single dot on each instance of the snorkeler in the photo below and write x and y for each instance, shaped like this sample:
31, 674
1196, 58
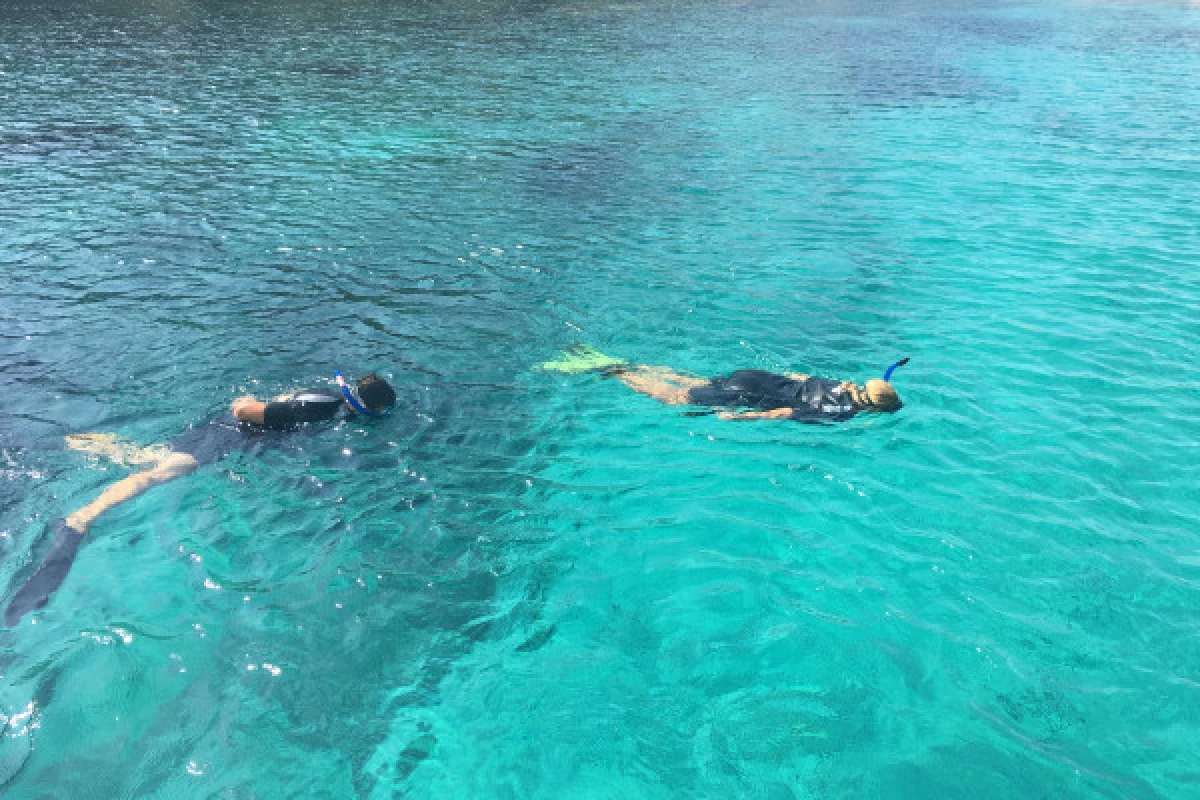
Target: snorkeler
745, 394
204, 444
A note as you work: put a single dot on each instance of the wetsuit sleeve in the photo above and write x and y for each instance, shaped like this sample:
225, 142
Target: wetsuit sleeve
310, 405
805, 414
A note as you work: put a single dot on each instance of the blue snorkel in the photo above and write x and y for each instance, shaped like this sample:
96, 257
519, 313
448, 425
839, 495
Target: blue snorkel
887, 376
354, 402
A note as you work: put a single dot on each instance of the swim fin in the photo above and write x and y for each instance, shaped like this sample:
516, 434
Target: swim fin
581, 358
49, 576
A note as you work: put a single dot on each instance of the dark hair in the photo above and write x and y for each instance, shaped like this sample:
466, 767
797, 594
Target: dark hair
375, 392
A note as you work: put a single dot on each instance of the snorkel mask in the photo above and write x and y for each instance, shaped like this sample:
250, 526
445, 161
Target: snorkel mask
355, 403
863, 396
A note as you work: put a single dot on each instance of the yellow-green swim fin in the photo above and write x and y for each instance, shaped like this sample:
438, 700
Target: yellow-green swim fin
581, 358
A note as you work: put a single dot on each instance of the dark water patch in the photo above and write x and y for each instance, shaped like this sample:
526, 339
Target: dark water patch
78, 139
993, 28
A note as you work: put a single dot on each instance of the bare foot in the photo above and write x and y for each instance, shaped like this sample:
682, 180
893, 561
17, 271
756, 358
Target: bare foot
78, 523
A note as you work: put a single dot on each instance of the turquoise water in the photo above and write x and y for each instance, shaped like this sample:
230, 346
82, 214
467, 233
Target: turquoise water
526, 585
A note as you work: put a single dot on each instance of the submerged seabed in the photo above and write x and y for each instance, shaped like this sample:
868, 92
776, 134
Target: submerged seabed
527, 585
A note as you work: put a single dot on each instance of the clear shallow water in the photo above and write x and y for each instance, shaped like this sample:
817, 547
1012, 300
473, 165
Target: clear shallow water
527, 585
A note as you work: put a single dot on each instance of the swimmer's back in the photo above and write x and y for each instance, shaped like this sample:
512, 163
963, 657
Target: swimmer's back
811, 399
305, 406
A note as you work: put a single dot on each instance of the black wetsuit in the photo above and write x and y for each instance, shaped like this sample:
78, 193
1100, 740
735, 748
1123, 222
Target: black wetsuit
811, 399
222, 434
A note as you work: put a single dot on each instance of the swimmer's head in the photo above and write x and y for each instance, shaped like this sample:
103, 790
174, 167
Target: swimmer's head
376, 394
877, 395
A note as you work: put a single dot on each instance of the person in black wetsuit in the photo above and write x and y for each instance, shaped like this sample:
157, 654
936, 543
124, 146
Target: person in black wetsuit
744, 394
757, 394
204, 444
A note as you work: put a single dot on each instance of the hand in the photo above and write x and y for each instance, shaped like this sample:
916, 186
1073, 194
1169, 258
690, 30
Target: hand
727, 415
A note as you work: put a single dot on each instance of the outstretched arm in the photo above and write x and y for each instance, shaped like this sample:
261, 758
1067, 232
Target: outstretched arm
737, 416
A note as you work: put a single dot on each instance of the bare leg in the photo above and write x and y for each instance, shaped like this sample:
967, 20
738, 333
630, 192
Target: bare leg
662, 383
116, 449
68, 533
684, 379
175, 465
